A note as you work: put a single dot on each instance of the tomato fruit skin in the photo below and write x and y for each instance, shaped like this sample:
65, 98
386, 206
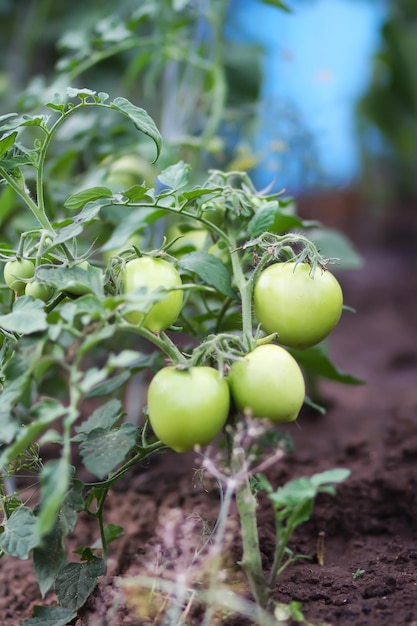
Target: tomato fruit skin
268, 383
17, 273
188, 407
302, 308
152, 273
38, 290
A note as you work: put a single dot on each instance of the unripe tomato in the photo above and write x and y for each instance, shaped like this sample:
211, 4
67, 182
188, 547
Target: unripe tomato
303, 308
188, 407
17, 273
39, 290
268, 383
152, 273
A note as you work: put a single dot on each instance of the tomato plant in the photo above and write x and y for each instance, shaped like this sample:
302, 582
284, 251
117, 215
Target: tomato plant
188, 407
154, 275
67, 363
300, 303
268, 383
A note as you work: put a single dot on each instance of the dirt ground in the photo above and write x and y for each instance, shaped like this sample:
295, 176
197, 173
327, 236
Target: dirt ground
369, 575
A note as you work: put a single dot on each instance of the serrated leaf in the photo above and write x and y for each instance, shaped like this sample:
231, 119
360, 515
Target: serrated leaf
76, 581
175, 176
49, 616
271, 218
141, 120
20, 534
105, 416
28, 316
54, 479
210, 269
103, 449
6, 143
316, 360
80, 199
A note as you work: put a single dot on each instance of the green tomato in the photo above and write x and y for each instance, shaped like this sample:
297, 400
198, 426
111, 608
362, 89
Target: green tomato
268, 383
17, 273
188, 407
301, 307
152, 274
40, 291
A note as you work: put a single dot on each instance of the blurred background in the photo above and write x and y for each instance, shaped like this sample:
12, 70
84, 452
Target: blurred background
315, 96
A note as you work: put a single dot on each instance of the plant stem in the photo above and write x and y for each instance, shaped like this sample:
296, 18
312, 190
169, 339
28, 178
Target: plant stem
245, 288
246, 503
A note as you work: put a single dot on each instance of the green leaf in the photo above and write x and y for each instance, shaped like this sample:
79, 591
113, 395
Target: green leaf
20, 534
76, 279
210, 269
49, 616
6, 143
294, 492
107, 386
54, 479
139, 193
336, 475
271, 218
49, 557
113, 532
316, 360
141, 119
28, 316
175, 176
80, 199
104, 449
105, 416
76, 581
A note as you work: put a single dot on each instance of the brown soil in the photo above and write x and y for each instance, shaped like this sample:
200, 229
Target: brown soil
370, 525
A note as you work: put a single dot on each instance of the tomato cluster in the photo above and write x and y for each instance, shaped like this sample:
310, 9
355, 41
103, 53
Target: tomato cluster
189, 404
190, 407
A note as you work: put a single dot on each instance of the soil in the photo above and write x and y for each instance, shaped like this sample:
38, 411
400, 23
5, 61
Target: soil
369, 573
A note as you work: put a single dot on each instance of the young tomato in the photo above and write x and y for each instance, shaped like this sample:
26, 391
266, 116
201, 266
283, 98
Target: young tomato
268, 383
188, 407
152, 274
39, 290
303, 308
17, 273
